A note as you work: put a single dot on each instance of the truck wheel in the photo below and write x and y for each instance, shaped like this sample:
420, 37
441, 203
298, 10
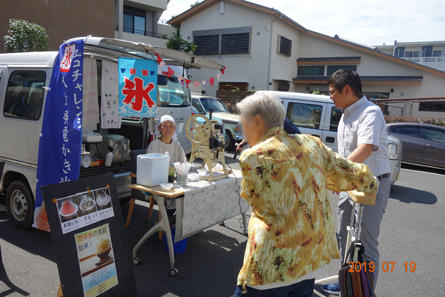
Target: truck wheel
229, 141
20, 204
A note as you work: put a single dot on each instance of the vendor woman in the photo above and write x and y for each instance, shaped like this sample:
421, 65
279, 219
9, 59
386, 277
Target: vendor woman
166, 143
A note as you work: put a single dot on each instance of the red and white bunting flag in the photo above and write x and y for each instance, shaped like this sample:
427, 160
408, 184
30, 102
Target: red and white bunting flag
223, 70
159, 59
161, 65
204, 82
188, 81
196, 83
180, 78
218, 76
170, 72
212, 81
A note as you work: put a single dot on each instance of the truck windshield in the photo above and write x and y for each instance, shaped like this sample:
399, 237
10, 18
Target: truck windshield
213, 104
172, 93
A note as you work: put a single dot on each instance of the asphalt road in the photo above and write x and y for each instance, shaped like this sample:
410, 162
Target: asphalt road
412, 231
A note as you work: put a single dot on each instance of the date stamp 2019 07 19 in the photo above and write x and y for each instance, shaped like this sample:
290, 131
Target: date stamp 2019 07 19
387, 266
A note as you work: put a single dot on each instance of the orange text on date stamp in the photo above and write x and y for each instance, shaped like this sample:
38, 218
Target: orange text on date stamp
387, 266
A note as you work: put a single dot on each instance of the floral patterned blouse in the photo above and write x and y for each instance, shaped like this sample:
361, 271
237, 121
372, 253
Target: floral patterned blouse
286, 179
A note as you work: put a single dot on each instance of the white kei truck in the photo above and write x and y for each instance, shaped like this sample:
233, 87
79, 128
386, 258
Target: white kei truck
24, 78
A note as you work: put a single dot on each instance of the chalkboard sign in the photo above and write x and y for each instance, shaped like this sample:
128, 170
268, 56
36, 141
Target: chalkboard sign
88, 238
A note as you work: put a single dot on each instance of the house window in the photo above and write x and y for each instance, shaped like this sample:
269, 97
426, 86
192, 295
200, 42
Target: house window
134, 20
24, 95
235, 43
432, 106
333, 68
283, 85
311, 70
427, 51
438, 53
206, 45
229, 41
399, 52
408, 54
284, 46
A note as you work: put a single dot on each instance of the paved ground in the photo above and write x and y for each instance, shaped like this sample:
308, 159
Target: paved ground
413, 230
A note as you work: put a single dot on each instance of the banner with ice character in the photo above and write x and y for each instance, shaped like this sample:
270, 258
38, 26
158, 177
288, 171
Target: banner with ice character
137, 87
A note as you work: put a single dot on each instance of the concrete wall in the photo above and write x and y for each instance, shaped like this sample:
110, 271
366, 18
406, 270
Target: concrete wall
251, 68
155, 4
62, 19
144, 39
166, 29
283, 67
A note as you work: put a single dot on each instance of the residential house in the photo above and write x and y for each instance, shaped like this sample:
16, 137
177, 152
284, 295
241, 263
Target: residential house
264, 49
135, 20
428, 53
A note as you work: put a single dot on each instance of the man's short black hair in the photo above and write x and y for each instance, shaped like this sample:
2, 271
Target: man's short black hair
343, 77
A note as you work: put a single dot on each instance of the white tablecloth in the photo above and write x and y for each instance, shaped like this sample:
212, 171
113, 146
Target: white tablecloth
208, 203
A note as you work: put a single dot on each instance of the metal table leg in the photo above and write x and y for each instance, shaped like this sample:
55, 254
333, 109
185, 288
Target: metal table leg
163, 225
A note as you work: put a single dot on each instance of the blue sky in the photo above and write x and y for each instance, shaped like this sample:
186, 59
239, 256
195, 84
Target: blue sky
370, 22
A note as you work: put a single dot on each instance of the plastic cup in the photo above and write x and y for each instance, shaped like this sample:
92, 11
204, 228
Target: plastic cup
181, 179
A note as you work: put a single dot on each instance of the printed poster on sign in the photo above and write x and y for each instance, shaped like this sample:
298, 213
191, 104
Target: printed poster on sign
83, 209
137, 87
96, 260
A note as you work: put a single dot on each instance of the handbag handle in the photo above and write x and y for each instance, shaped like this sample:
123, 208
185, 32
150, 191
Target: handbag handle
361, 250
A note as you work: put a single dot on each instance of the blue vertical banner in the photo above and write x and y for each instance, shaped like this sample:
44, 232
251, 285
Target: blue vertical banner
137, 87
61, 136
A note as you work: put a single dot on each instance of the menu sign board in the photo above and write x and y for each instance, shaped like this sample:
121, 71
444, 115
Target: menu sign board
84, 208
88, 238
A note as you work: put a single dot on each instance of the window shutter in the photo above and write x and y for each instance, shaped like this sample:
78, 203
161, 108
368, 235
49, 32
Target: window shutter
235, 43
285, 46
206, 45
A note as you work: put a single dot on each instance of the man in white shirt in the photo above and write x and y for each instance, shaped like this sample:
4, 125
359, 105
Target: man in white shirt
362, 138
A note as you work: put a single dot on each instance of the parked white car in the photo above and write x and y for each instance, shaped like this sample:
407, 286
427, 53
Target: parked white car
316, 115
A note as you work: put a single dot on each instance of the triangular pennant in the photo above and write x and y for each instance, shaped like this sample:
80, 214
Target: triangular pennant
180, 78
218, 76
170, 72
161, 65
188, 81
204, 82
212, 81
159, 59
223, 70
196, 83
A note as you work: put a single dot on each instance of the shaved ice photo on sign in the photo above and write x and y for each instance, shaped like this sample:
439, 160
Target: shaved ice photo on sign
84, 208
96, 260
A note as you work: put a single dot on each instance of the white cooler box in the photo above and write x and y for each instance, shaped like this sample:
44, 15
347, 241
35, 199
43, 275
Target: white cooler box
152, 169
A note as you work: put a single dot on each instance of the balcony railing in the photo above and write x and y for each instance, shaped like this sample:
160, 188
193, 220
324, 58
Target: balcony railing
425, 59
141, 32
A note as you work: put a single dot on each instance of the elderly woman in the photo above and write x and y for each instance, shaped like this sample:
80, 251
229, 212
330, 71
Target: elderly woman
286, 179
166, 143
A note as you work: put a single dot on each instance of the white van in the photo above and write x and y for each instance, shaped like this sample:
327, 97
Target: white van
316, 115
23, 81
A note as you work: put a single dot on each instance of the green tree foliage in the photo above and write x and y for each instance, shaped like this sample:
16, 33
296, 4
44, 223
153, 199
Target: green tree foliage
24, 36
194, 4
177, 43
